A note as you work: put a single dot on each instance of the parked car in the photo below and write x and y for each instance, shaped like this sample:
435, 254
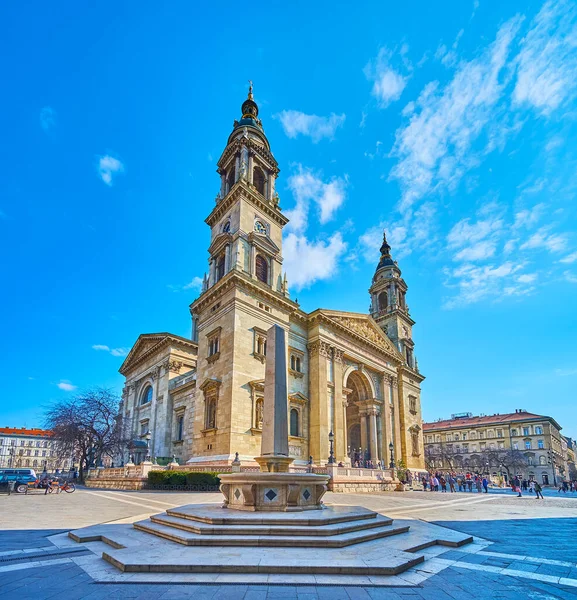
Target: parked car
22, 478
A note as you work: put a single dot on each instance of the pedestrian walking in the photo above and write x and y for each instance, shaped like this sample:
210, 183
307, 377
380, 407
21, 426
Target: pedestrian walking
538, 491
485, 483
451, 483
517, 486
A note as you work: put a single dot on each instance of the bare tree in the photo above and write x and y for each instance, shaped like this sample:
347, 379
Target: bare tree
508, 459
88, 427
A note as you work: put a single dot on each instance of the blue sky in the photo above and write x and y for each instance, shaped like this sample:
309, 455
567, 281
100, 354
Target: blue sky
451, 124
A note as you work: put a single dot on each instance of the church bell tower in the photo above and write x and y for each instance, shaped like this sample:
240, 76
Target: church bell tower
244, 292
389, 306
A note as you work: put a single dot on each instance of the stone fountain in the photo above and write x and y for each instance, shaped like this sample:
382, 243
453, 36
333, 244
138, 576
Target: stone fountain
275, 488
262, 531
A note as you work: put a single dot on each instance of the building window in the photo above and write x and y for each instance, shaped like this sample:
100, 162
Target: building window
542, 460
527, 444
515, 446
294, 422
296, 363
473, 435
456, 437
179, 428
530, 461
465, 448
539, 430
499, 433
219, 270
481, 435
146, 395
259, 345
258, 180
261, 268
413, 405
513, 432
490, 433
383, 301
144, 427
541, 444
213, 343
501, 445
525, 431
464, 436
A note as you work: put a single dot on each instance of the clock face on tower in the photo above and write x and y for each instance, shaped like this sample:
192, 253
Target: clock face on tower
259, 227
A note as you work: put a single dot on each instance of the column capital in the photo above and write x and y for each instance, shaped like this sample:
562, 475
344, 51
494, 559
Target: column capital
338, 354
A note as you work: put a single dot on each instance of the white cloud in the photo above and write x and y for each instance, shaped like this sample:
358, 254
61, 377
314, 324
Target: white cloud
47, 118
530, 216
317, 128
66, 386
307, 186
479, 251
570, 277
553, 242
476, 283
108, 166
194, 284
527, 278
306, 261
547, 61
566, 372
435, 148
388, 84
570, 258
113, 351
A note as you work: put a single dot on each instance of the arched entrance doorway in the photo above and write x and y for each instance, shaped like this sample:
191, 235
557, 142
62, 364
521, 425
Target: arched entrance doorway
361, 431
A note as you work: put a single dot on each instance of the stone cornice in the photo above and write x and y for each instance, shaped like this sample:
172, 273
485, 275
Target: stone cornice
241, 190
164, 340
358, 336
406, 370
237, 278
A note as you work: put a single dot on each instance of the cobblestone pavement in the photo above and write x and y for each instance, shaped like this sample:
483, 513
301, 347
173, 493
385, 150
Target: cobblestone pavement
533, 554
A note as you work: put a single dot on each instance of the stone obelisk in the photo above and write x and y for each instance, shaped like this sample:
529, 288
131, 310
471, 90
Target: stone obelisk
274, 442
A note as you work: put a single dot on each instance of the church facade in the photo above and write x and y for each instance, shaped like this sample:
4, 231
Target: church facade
355, 375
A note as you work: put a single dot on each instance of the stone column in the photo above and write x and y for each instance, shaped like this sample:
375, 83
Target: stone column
318, 428
340, 421
252, 259
250, 167
373, 430
386, 419
344, 405
380, 435
236, 168
226, 259
222, 184
271, 179
364, 433
398, 438
274, 439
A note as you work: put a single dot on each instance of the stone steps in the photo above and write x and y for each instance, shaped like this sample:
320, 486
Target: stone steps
389, 563
338, 540
270, 530
211, 514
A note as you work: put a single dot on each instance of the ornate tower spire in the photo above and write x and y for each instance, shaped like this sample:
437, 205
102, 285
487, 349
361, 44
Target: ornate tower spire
388, 303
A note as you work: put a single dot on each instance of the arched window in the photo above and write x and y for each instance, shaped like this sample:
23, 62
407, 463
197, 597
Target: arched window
258, 180
146, 395
220, 267
383, 301
542, 460
294, 422
261, 268
230, 179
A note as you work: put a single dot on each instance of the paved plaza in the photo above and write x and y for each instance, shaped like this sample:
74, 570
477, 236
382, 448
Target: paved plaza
523, 548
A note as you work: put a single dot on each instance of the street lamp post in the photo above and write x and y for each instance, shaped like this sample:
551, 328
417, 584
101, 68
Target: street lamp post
391, 449
331, 453
148, 438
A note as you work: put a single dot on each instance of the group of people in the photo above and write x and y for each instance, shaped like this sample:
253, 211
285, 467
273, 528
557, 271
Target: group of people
435, 482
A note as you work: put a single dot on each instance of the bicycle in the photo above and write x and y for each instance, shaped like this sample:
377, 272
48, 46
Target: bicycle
57, 486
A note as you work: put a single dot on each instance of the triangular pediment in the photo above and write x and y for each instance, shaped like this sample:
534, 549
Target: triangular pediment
363, 328
264, 242
148, 344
